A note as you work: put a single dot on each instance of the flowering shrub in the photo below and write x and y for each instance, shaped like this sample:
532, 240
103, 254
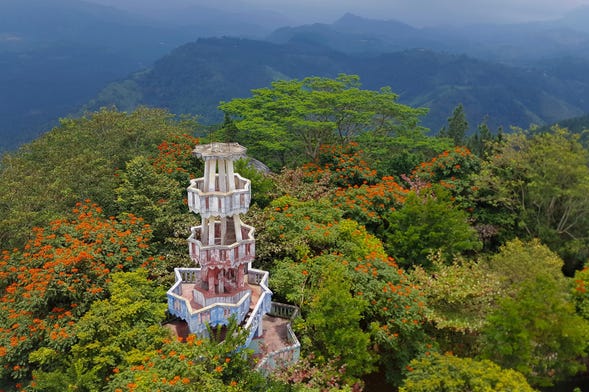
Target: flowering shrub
51, 282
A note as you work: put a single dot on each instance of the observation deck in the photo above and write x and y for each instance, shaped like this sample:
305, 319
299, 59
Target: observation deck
220, 199
222, 251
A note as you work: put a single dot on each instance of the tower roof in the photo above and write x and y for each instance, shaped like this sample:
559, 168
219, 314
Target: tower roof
225, 151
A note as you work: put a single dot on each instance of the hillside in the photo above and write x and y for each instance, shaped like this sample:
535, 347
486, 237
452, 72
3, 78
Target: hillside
55, 56
515, 44
195, 77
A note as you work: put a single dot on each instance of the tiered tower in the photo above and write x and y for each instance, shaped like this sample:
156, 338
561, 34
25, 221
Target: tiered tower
223, 246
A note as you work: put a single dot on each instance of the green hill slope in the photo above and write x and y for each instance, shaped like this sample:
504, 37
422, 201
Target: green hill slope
195, 77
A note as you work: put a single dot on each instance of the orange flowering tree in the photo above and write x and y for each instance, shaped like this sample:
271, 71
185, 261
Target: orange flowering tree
358, 189
318, 254
46, 286
192, 364
581, 292
451, 169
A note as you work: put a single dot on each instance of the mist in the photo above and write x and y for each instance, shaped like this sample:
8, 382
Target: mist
418, 13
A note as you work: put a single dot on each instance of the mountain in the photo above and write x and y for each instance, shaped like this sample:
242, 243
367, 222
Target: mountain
56, 55
514, 44
195, 77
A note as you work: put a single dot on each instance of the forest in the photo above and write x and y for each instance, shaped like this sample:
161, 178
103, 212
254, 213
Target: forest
448, 262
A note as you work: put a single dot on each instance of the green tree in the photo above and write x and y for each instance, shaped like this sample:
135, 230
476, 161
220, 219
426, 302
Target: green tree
536, 186
436, 372
427, 222
481, 142
534, 329
288, 123
459, 297
332, 322
537, 333
311, 240
151, 195
76, 161
457, 126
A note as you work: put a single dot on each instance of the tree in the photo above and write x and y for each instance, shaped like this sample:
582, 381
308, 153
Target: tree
288, 123
436, 372
457, 126
427, 222
534, 329
540, 182
332, 322
116, 332
314, 245
150, 195
459, 298
50, 283
537, 333
76, 161
481, 142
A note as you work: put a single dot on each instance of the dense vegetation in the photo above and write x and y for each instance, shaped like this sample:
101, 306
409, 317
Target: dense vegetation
194, 77
411, 257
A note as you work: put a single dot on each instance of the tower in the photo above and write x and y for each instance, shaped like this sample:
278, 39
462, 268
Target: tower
224, 285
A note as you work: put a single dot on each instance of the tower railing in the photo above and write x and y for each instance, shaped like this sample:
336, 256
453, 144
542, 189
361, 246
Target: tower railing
287, 355
254, 322
234, 254
218, 203
215, 314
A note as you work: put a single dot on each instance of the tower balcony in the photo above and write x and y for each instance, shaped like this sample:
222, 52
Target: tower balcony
223, 200
225, 251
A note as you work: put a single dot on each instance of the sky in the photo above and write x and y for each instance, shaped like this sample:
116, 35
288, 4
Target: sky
415, 12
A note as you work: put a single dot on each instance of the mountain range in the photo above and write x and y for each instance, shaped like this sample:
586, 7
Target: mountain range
70, 55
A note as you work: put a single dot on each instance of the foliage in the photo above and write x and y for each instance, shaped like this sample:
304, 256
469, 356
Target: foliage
262, 184
451, 169
534, 329
580, 293
51, 282
459, 296
345, 165
537, 333
116, 332
192, 365
541, 183
436, 372
288, 123
368, 204
457, 126
399, 152
153, 196
331, 327
314, 245
427, 222
518, 261
481, 142
305, 375
75, 161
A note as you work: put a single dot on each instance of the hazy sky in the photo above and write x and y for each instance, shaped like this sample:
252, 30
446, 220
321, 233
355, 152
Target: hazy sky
416, 12
426, 11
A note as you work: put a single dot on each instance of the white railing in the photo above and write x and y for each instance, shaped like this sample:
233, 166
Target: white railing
214, 314
217, 203
287, 355
202, 300
254, 322
231, 255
